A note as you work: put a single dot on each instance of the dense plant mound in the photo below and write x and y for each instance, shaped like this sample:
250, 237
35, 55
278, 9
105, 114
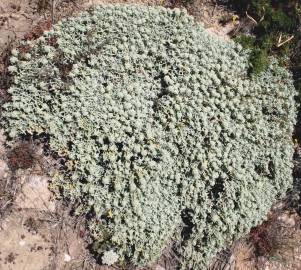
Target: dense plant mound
167, 139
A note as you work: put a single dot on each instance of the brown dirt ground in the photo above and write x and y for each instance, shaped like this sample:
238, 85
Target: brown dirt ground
36, 232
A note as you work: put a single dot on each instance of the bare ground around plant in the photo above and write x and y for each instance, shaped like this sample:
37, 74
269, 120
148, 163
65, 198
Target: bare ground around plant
37, 232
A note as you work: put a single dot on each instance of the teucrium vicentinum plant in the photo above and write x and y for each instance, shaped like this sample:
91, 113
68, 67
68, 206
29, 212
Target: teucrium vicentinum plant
167, 138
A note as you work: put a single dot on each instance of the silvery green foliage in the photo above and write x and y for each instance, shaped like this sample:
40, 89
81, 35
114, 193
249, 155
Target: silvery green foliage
168, 140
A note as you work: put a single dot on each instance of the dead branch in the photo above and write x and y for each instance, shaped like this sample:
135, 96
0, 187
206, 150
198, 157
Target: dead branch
251, 18
283, 42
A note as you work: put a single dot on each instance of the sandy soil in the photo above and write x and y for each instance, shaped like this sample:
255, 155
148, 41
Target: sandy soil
35, 231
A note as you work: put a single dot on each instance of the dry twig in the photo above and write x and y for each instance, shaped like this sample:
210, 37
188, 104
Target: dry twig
251, 18
281, 43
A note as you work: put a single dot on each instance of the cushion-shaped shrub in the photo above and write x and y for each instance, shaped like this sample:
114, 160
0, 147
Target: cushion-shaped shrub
168, 141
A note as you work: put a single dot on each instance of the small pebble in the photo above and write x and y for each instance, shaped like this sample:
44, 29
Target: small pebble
22, 243
67, 257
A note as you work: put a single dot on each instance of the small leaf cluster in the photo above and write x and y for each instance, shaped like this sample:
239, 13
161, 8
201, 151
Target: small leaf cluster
167, 138
109, 257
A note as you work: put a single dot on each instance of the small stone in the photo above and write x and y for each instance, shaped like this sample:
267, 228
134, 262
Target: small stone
159, 267
3, 169
22, 243
67, 257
